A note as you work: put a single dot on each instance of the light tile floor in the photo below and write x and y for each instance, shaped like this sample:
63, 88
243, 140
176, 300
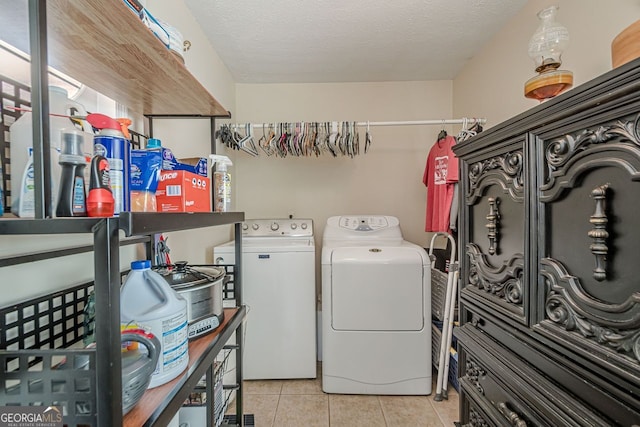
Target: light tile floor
302, 403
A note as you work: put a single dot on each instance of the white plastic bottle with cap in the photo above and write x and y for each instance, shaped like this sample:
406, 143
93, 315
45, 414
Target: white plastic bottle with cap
148, 302
221, 183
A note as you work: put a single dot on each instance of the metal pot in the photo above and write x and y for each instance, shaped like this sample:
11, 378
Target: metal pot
202, 288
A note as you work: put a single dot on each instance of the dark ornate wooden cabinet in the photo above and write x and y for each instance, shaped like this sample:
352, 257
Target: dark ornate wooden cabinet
550, 271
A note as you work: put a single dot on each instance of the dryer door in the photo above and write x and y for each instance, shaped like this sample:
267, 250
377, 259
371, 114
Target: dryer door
378, 289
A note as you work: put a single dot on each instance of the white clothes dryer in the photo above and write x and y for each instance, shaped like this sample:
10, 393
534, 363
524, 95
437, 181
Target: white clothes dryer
376, 309
278, 287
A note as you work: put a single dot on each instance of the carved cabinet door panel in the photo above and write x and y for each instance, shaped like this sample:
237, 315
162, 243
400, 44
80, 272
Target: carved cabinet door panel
589, 257
493, 211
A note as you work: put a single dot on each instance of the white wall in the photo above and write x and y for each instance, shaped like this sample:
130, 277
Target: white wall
387, 180
492, 84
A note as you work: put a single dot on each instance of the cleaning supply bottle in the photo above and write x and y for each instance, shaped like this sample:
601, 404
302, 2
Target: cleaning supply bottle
1, 192
148, 302
112, 144
1, 183
21, 143
1, 187
154, 144
221, 183
100, 199
71, 191
145, 175
26, 198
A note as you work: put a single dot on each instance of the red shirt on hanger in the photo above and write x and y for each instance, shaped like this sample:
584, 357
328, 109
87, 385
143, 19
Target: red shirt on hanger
440, 175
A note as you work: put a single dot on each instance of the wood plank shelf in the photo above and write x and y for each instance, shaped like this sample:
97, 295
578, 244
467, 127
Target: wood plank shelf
105, 45
159, 404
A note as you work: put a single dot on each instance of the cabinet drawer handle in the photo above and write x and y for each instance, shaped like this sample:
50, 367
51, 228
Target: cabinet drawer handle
599, 232
492, 226
511, 416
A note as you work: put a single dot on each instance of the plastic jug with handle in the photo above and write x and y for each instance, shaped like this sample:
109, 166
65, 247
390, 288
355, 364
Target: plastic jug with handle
21, 144
148, 302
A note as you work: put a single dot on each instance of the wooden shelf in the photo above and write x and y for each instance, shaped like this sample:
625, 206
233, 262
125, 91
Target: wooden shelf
162, 402
104, 45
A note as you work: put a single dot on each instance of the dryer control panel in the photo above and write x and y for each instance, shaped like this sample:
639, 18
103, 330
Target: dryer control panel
367, 223
278, 227
362, 228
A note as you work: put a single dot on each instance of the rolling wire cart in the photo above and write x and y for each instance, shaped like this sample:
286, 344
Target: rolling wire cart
216, 387
212, 386
221, 396
448, 293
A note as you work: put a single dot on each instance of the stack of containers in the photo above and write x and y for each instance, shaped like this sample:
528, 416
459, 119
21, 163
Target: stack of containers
162, 183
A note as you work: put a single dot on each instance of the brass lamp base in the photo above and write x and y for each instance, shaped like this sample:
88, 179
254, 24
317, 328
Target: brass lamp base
548, 84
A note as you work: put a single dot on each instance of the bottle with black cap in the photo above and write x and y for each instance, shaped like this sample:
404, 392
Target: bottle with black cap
72, 192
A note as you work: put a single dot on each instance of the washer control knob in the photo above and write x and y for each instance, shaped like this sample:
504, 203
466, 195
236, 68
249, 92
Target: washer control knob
245, 226
303, 225
294, 225
255, 226
275, 226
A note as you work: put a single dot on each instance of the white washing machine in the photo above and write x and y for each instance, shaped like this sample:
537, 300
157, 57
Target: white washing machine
278, 287
376, 309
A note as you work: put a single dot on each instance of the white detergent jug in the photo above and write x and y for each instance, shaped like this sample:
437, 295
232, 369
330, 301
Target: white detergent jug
148, 302
21, 144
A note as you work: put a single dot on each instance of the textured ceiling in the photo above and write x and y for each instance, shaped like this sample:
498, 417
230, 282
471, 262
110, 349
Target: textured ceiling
307, 41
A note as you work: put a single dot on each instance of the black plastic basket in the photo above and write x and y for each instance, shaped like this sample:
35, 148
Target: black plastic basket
38, 368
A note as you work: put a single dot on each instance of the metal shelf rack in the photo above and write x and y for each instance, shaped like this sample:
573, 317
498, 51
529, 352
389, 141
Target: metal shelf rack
155, 84
107, 410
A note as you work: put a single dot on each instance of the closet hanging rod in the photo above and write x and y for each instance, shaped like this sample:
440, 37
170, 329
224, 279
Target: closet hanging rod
468, 121
425, 122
